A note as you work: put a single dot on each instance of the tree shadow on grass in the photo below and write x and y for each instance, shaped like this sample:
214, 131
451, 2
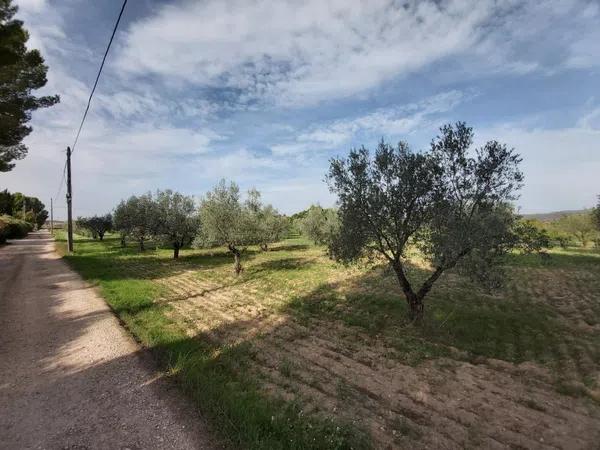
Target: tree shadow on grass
458, 315
288, 247
284, 264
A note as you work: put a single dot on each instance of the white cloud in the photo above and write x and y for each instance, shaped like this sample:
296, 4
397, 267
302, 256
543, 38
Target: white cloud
298, 52
561, 166
304, 52
388, 122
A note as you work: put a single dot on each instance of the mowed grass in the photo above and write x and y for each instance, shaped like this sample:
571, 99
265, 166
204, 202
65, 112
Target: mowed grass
547, 313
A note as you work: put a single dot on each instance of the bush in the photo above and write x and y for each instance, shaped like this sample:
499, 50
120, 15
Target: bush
11, 228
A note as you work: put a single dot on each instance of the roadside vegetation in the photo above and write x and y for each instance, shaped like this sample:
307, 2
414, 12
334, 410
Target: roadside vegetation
19, 214
311, 331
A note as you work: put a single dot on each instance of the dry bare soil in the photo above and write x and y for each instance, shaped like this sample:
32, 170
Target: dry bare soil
301, 351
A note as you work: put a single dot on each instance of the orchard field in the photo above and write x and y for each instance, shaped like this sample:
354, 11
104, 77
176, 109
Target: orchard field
299, 351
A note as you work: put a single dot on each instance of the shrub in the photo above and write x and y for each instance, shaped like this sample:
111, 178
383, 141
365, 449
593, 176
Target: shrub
12, 228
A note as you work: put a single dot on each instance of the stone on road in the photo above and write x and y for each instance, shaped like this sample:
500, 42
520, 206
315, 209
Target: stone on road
70, 376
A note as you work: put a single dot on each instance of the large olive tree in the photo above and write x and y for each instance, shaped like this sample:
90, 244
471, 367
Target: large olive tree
450, 202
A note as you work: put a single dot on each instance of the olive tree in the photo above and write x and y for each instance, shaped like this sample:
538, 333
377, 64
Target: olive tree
449, 202
319, 224
124, 220
581, 226
177, 220
96, 225
266, 224
137, 217
145, 216
225, 220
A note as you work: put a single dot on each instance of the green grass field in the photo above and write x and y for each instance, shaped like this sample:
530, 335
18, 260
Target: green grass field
300, 352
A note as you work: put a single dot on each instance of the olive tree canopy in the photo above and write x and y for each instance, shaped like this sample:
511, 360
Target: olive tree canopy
177, 219
449, 202
266, 224
225, 220
137, 217
319, 224
580, 225
96, 225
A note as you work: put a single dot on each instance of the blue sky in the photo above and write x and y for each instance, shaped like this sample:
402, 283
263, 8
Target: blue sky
265, 92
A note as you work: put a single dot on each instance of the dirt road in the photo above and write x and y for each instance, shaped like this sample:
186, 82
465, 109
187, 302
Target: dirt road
70, 377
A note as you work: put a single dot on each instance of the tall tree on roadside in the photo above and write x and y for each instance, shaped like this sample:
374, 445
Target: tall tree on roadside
31, 209
224, 220
6, 202
21, 72
178, 220
449, 204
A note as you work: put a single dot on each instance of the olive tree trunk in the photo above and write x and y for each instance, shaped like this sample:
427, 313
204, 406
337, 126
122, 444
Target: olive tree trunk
237, 265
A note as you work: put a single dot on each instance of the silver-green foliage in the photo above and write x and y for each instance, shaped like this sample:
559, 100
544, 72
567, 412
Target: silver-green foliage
138, 218
320, 224
227, 221
178, 220
450, 202
267, 225
581, 226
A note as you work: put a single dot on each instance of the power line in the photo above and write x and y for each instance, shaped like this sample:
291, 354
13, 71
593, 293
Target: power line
87, 108
63, 177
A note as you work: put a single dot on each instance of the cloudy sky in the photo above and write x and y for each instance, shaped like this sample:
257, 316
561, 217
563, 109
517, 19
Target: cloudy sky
265, 92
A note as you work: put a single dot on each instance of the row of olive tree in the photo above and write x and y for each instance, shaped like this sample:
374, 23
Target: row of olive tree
167, 217
222, 219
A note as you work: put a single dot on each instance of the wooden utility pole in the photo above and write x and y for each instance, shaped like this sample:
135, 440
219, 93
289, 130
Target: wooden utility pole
69, 201
51, 217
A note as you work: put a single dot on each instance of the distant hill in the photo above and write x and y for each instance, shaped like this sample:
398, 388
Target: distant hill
555, 215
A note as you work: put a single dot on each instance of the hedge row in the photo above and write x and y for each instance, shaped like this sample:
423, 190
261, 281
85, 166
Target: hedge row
11, 228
